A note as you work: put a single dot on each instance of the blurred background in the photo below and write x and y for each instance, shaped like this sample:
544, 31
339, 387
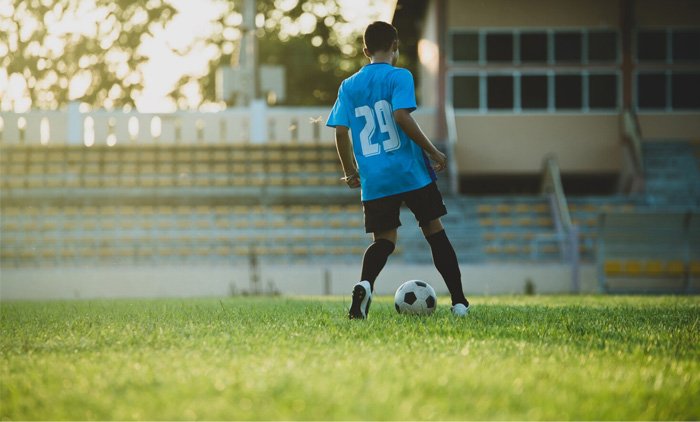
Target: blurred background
178, 148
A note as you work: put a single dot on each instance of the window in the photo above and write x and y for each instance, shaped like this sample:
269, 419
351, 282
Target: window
651, 46
465, 46
499, 47
533, 47
686, 46
602, 91
602, 46
567, 90
559, 70
567, 47
686, 90
465, 92
500, 92
533, 92
651, 90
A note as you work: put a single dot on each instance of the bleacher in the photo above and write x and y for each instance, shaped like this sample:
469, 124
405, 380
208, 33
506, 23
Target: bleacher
586, 213
672, 172
649, 251
46, 172
159, 203
144, 234
221, 203
516, 228
148, 204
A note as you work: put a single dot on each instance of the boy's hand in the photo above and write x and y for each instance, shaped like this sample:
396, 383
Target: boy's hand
439, 159
353, 180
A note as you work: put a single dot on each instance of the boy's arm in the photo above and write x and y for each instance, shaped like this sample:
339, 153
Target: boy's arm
344, 146
410, 127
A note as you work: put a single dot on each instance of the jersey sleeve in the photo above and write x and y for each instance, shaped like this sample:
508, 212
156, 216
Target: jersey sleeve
403, 93
340, 114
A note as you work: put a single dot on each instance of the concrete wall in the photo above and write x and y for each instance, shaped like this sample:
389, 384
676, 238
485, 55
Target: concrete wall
665, 13
670, 125
517, 143
192, 281
538, 13
513, 143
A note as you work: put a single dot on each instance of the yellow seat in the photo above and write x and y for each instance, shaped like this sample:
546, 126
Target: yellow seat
675, 268
654, 268
612, 267
633, 267
695, 268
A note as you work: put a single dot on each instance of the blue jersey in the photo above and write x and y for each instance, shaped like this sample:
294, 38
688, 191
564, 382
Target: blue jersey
388, 160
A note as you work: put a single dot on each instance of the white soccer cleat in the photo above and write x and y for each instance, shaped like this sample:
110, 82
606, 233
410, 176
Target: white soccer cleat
460, 310
361, 299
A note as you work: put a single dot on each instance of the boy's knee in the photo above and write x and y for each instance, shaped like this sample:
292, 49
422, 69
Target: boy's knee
432, 227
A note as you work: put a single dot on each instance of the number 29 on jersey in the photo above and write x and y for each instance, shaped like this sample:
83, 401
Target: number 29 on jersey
382, 115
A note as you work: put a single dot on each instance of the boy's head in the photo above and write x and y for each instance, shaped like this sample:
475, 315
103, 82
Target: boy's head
381, 37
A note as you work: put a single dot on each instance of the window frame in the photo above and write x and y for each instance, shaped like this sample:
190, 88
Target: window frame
516, 68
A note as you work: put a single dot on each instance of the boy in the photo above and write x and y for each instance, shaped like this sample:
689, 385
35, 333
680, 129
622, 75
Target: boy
393, 164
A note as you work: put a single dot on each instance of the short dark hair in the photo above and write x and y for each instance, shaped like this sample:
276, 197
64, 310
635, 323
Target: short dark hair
379, 36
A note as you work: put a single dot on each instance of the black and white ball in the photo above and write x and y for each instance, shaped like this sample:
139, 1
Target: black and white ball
415, 297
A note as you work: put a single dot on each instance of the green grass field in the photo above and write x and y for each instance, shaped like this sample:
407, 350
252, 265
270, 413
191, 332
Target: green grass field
550, 357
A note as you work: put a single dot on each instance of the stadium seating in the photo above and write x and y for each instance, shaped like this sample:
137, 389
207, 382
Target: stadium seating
144, 204
649, 251
517, 228
144, 233
672, 172
128, 167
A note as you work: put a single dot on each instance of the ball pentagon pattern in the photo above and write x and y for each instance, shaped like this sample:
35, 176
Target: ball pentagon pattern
415, 297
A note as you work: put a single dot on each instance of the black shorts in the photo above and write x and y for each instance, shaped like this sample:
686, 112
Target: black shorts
382, 214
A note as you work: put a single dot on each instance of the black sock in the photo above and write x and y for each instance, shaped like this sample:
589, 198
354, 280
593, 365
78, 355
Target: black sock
445, 261
375, 258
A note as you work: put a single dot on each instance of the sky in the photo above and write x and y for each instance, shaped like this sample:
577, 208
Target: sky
165, 67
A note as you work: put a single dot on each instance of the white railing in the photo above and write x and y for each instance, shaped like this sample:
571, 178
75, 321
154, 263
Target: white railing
567, 232
632, 177
73, 127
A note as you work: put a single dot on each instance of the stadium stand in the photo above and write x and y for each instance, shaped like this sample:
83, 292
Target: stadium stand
141, 204
152, 203
672, 172
649, 252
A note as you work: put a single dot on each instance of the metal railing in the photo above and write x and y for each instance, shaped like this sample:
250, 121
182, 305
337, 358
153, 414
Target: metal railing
567, 232
632, 179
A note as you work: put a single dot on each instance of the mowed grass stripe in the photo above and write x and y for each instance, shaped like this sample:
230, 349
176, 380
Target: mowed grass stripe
541, 357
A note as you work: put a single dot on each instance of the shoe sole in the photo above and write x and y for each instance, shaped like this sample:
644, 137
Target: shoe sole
360, 300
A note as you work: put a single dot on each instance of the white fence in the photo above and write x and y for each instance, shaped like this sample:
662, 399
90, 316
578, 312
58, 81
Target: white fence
72, 127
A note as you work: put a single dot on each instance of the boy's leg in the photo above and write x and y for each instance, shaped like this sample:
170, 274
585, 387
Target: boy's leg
445, 259
428, 206
373, 261
377, 254
382, 220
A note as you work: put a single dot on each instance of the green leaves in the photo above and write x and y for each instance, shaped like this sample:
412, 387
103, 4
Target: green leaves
69, 50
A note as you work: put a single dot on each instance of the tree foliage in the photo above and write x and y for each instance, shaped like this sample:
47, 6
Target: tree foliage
315, 61
55, 57
98, 60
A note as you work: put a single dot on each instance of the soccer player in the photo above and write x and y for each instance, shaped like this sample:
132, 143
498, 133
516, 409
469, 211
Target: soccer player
393, 158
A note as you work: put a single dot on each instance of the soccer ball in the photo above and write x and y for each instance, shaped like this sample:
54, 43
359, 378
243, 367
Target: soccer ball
415, 297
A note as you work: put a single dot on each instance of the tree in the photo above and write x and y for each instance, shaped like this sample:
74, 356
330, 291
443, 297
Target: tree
89, 50
301, 35
86, 51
